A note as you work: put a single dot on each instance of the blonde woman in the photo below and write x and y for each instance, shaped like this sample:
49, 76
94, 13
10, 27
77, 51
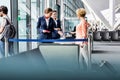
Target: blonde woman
81, 33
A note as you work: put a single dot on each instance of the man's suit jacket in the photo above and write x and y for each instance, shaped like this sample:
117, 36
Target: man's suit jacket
42, 25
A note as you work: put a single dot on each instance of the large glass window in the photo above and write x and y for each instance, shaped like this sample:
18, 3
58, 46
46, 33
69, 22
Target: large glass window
28, 13
70, 23
53, 4
24, 23
71, 6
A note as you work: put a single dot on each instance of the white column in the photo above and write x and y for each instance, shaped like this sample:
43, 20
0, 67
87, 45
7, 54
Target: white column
62, 9
47, 2
6, 47
62, 15
112, 12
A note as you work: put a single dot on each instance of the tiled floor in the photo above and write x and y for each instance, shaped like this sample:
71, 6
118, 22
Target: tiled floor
107, 51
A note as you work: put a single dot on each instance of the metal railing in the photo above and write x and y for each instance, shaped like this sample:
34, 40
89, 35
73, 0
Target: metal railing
89, 40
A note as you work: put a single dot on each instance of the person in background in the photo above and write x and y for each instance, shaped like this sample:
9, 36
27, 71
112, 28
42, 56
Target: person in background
5, 20
73, 32
58, 31
46, 25
81, 33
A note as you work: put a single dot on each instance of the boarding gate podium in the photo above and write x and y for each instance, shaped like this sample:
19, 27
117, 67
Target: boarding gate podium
59, 56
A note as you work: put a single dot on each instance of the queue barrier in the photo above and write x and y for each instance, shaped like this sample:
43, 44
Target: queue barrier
46, 52
47, 40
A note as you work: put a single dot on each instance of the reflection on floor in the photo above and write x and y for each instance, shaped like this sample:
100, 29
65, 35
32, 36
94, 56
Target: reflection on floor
31, 65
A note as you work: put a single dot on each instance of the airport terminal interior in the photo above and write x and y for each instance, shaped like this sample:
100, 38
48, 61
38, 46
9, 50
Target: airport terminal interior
59, 60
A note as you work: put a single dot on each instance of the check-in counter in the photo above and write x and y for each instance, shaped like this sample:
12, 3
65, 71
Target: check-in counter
60, 57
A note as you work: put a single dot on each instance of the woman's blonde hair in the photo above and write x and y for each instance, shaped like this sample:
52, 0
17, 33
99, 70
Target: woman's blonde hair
81, 12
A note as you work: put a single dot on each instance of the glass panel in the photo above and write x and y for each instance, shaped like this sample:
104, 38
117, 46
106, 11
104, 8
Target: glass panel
42, 7
53, 4
34, 22
22, 24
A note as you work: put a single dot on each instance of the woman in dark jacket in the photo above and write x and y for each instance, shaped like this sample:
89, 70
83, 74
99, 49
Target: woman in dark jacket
58, 31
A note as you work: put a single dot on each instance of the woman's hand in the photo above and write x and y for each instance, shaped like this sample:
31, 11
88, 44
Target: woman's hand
81, 46
72, 32
58, 29
46, 31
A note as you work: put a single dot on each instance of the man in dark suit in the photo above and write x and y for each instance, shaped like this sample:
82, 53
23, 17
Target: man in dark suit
46, 25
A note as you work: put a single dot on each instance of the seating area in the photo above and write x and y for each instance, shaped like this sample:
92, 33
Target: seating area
106, 36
